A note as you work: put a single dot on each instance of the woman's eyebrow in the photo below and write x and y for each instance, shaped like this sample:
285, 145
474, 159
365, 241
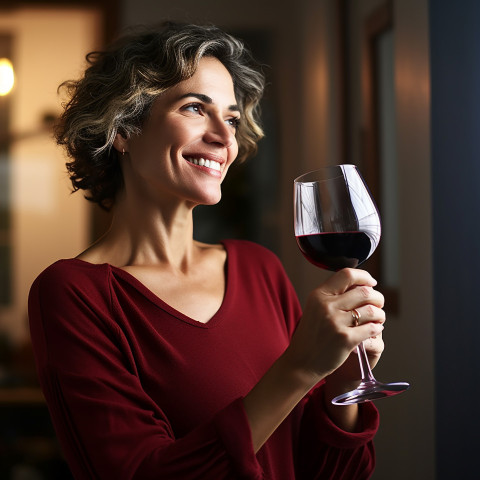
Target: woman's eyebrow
208, 100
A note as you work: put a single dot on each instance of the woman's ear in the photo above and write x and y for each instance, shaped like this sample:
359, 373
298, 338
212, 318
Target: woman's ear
120, 144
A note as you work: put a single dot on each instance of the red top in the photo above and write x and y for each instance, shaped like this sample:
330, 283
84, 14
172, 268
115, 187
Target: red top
138, 390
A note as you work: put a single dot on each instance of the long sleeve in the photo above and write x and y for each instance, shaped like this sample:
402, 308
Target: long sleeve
138, 390
109, 427
326, 451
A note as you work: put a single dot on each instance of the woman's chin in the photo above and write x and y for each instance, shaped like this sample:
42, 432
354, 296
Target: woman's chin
211, 198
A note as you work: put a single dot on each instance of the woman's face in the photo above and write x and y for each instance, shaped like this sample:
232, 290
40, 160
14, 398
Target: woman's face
188, 140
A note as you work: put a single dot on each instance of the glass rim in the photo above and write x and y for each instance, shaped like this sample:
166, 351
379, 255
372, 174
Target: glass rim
325, 168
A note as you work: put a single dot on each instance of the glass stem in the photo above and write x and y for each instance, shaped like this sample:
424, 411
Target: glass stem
365, 369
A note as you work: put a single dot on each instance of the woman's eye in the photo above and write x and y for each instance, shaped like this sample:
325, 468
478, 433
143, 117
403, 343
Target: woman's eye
193, 107
234, 122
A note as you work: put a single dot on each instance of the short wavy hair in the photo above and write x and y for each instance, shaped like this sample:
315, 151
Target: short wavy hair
120, 85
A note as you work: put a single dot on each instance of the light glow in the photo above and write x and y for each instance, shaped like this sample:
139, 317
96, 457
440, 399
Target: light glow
7, 77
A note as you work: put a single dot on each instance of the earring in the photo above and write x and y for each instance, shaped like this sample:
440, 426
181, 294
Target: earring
123, 151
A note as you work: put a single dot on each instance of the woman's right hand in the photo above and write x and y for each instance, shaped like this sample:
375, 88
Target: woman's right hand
322, 341
326, 334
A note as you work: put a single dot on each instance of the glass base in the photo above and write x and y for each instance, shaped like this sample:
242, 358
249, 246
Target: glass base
368, 391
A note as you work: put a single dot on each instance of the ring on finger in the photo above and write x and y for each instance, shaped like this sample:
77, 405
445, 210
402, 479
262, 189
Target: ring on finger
355, 316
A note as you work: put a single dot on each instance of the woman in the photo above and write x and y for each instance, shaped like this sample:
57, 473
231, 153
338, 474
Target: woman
164, 358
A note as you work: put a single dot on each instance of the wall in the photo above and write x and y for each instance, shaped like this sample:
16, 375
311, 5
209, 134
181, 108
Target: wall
411, 439
47, 222
455, 53
406, 437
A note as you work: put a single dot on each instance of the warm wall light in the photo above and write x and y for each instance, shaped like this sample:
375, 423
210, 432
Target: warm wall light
7, 78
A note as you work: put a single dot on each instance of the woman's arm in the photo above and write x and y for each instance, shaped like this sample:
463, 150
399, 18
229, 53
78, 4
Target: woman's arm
107, 423
320, 347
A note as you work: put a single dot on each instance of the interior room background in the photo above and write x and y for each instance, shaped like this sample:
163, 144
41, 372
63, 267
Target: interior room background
389, 85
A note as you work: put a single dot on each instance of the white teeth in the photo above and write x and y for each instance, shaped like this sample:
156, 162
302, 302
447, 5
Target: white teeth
214, 165
205, 163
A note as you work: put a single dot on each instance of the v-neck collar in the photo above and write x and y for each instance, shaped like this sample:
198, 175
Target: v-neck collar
155, 299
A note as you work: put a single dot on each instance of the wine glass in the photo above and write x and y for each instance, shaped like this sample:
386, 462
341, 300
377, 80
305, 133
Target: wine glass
337, 225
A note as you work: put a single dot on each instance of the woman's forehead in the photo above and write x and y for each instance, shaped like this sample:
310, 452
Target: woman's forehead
211, 83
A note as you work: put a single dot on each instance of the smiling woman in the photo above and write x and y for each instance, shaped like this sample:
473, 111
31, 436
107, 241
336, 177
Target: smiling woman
187, 142
151, 65
163, 357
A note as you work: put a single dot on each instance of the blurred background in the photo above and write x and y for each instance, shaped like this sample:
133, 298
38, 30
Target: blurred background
390, 85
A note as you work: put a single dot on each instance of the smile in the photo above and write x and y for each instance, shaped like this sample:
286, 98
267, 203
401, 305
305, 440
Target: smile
205, 163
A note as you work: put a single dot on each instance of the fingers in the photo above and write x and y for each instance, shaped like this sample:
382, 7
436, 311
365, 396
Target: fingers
374, 345
367, 301
353, 289
374, 348
366, 331
345, 279
369, 318
326, 334
369, 313
368, 328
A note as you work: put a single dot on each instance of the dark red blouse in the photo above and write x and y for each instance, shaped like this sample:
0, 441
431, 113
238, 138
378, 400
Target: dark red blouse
137, 390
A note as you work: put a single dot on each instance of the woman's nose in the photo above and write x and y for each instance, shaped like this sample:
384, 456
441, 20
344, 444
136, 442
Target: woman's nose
218, 131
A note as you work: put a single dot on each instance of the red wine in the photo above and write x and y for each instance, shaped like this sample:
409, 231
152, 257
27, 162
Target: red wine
336, 250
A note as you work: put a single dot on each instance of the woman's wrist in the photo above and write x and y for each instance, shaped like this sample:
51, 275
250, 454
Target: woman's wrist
344, 416
275, 395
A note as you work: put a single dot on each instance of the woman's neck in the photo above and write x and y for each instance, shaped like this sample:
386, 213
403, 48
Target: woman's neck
140, 235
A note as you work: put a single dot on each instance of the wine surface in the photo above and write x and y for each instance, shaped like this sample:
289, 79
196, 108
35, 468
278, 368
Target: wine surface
337, 250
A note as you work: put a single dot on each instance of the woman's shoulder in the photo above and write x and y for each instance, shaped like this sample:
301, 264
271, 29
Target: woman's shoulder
66, 291
248, 246
71, 273
251, 253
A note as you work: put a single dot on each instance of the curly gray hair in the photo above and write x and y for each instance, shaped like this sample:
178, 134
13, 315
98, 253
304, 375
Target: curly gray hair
120, 85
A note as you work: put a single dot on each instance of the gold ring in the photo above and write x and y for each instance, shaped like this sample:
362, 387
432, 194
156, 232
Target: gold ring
356, 317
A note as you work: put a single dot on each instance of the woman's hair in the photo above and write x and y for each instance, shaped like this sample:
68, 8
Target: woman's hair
121, 83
